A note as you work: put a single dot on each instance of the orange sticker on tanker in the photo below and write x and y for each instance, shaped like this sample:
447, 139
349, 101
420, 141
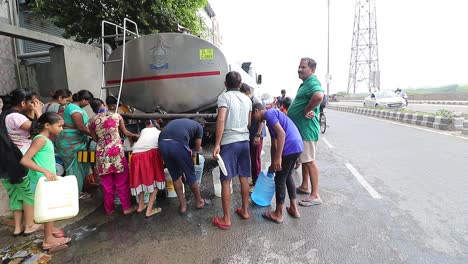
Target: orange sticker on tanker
206, 54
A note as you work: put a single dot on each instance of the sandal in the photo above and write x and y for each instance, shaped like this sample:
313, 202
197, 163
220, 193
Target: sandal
219, 225
63, 242
34, 229
130, 210
155, 211
20, 233
309, 203
144, 208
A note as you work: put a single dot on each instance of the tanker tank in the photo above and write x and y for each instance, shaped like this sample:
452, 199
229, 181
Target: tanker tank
173, 72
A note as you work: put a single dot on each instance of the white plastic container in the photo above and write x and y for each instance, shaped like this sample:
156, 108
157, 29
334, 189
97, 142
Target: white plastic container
170, 190
199, 169
56, 200
216, 182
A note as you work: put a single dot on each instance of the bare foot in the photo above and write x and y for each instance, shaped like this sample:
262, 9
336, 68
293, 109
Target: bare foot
183, 209
243, 214
200, 204
58, 233
273, 216
293, 212
130, 210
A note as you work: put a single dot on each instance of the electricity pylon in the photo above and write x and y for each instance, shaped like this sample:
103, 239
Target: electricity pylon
364, 64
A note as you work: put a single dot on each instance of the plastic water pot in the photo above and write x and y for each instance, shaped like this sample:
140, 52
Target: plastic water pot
264, 189
56, 200
170, 190
217, 182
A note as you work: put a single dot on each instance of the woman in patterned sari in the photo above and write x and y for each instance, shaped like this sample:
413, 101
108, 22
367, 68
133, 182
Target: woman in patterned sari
74, 136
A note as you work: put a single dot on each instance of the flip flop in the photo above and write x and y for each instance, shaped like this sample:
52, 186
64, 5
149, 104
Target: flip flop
309, 203
155, 211
267, 216
33, 230
239, 213
219, 225
299, 191
59, 244
130, 210
18, 234
293, 215
144, 209
203, 206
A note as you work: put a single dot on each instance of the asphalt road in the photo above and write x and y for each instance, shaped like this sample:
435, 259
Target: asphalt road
429, 108
416, 214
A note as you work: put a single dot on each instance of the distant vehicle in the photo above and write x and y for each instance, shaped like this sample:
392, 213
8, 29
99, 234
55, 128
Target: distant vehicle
384, 99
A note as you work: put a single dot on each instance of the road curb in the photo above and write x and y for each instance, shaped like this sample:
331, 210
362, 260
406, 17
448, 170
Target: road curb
439, 102
437, 122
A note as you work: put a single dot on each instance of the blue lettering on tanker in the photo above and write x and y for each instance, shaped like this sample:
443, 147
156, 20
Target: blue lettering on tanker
157, 68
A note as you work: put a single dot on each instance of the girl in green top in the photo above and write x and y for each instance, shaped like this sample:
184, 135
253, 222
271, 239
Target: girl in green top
40, 160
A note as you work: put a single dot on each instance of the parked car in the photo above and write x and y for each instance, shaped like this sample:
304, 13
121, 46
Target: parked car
384, 99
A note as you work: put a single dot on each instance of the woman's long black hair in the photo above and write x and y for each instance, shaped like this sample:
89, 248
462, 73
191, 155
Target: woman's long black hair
10, 154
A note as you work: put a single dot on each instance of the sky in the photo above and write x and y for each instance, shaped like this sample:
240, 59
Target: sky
422, 43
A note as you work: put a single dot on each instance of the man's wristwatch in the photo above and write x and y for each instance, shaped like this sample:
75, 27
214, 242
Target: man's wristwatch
258, 135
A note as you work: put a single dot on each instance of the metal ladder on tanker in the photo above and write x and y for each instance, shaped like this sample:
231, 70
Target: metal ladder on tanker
121, 33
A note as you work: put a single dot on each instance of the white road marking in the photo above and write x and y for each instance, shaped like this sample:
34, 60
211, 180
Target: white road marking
327, 143
416, 127
363, 182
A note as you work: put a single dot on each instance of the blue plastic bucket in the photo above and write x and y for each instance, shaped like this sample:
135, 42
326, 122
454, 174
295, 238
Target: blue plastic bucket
264, 189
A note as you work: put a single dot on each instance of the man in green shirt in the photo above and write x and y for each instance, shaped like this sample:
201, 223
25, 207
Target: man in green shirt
304, 112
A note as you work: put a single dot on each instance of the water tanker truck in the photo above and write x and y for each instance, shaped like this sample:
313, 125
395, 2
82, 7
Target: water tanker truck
170, 75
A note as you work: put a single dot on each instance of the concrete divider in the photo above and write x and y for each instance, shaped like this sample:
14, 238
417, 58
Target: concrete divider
465, 127
438, 122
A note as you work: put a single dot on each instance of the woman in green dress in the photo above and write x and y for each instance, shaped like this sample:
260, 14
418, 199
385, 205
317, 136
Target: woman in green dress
74, 136
14, 141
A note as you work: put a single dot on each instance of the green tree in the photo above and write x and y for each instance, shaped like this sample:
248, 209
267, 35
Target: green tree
81, 19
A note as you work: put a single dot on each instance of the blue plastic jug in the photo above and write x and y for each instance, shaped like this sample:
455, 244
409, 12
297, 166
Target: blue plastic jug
264, 189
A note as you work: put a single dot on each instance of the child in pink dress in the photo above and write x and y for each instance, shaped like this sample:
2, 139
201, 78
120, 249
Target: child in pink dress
111, 164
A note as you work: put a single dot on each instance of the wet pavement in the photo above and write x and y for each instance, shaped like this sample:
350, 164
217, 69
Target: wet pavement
349, 227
